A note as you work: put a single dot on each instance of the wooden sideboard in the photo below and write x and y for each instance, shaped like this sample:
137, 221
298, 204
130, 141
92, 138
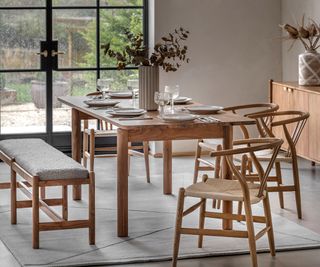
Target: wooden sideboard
292, 96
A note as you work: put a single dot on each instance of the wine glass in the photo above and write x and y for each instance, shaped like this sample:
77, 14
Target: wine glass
133, 86
162, 99
174, 94
103, 86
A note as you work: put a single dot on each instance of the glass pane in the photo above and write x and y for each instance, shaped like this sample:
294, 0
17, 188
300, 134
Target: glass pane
121, 2
19, 3
76, 32
113, 25
77, 83
23, 103
74, 2
20, 35
121, 80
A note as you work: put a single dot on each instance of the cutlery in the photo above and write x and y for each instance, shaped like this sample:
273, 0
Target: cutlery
136, 118
104, 108
214, 119
208, 119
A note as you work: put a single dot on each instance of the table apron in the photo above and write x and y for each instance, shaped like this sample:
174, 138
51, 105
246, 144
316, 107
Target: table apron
184, 133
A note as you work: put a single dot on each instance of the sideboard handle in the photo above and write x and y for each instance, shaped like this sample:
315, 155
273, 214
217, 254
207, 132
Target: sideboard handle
285, 88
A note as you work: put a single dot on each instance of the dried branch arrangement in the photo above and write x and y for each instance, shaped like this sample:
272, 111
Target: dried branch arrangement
308, 35
168, 54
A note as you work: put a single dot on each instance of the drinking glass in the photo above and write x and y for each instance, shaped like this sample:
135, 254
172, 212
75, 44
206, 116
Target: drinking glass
174, 94
162, 99
103, 86
133, 86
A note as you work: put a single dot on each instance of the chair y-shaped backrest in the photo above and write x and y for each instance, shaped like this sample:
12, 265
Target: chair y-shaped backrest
251, 146
103, 125
252, 109
297, 119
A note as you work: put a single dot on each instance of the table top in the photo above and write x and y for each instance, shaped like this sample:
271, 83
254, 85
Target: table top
222, 118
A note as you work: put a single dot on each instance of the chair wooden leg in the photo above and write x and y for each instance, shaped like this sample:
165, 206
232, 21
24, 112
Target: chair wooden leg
92, 149
65, 202
146, 159
43, 192
251, 234
267, 212
35, 213
296, 180
92, 238
244, 168
178, 227
201, 221
217, 174
85, 149
13, 197
279, 182
240, 203
250, 167
129, 159
197, 163
217, 164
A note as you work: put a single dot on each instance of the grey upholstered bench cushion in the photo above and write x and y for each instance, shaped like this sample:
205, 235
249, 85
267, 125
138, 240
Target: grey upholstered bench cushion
43, 160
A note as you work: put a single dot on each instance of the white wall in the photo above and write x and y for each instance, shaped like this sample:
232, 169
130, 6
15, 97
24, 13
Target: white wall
233, 48
291, 12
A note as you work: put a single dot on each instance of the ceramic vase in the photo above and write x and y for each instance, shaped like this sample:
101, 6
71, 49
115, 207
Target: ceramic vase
148, 85
309, 68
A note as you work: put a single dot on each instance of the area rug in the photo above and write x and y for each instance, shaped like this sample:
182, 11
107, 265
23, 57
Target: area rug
151, 218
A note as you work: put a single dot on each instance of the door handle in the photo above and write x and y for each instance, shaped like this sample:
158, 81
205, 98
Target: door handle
43, 53
55, 53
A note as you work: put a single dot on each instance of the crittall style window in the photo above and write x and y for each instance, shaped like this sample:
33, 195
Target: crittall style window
52, 48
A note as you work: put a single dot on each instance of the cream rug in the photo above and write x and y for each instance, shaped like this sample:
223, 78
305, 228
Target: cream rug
151, 218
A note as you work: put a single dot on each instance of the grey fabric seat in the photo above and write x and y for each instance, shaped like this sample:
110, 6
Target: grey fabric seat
40, 159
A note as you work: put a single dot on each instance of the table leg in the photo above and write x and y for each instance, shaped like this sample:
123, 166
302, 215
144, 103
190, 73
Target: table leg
76, 147
122, 182
227, 174
167, 167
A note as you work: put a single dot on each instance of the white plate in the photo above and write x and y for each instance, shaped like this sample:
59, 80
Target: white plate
204, 109
182, 100
120, 94
126, 112
178, 117
101, 103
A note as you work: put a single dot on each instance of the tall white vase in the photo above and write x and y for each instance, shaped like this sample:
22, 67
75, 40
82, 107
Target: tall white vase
148, 85
309, 68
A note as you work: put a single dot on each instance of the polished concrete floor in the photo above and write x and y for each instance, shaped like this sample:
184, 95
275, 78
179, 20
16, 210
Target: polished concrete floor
310, 189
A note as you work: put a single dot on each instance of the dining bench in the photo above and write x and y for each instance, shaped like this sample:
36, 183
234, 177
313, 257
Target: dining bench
40, 165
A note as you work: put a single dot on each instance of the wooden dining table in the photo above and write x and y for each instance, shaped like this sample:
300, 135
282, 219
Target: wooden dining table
153, 129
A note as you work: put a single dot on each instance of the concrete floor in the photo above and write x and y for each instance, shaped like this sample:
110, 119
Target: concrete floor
310, 190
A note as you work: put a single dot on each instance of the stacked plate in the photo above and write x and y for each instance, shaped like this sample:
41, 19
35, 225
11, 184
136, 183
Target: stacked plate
179, 117
126, 112
204, 110
101, 102
120, 94
182, 100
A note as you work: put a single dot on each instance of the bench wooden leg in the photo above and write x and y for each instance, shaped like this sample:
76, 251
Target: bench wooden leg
65, 202
13, 197
35, 213
92, 234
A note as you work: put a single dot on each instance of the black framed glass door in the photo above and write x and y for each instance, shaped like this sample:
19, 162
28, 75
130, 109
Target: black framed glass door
51, 48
